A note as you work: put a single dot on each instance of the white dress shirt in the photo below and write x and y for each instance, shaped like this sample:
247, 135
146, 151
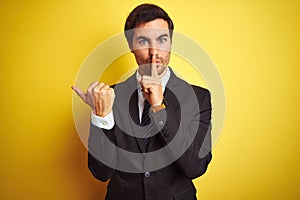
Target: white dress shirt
108, 122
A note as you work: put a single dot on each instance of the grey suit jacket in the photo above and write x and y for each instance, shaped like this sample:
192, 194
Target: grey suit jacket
182, 131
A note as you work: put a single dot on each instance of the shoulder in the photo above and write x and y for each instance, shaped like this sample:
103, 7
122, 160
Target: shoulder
182, 85
200, 90
201, 93
197, 89
131, 81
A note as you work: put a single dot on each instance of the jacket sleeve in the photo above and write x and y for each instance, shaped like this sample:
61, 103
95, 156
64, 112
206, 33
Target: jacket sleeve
101, 153
196, 155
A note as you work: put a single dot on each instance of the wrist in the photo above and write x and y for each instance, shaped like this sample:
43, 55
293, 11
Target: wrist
159, 107
156, 104
102, 114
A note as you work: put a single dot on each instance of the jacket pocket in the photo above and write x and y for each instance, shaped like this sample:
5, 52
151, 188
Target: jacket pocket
186, 194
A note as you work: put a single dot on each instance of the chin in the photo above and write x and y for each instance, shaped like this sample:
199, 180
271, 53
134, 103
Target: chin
161, 69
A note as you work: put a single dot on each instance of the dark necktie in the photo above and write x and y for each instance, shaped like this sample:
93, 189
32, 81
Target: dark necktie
145, 120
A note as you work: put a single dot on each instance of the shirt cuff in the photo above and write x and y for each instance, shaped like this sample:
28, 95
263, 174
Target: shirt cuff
106, 122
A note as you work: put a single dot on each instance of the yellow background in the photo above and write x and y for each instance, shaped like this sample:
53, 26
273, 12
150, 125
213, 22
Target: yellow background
254, 44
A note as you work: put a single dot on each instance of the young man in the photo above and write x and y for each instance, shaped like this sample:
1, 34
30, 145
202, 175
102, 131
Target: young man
152, 110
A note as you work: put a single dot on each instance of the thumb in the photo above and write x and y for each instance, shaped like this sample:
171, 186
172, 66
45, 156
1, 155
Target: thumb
79, 92
139, 80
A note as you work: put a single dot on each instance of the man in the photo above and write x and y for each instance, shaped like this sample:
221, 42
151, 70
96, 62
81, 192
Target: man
163, 112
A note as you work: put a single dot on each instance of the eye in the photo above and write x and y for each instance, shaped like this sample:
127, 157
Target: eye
162, 40
143, 42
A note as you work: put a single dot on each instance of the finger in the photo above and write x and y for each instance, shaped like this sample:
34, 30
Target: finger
105, 87
139, 80
98, 87
92, 85
150, 82
79, 92
145, 88
145, 91
153, 67
148, 88
112, 92
150, 78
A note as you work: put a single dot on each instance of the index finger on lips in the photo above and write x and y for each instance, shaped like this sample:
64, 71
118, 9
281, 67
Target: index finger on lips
153, 67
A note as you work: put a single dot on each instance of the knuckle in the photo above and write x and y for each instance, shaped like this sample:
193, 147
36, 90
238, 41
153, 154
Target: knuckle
100, 85
102, 92
93, 83
106, 86
90, 89
94, 90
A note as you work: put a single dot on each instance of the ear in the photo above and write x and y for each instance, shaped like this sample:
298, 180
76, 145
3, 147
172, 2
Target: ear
130, 47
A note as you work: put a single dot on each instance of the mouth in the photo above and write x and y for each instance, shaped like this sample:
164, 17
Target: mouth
157, 62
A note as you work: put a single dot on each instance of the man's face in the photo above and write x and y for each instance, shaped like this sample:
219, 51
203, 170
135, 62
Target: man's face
152, 39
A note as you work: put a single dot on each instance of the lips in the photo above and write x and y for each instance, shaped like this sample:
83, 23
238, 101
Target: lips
157, 61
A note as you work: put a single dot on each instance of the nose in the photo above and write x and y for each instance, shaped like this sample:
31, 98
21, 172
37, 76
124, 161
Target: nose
153, 50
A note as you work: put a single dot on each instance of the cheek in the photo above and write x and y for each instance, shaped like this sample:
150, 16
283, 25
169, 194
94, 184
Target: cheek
141, 57
166, 56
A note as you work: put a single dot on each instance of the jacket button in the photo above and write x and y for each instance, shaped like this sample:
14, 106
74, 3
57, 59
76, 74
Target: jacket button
147, 174
164, 132
161, 123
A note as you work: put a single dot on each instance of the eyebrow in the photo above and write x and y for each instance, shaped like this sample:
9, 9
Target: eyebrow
145, 38
163, 35
142, 38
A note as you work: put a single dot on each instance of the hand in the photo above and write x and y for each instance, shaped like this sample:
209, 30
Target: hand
151, 86
99, 96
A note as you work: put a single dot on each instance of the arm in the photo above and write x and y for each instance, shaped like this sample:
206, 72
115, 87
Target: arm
194, 161
100, 97
99, 151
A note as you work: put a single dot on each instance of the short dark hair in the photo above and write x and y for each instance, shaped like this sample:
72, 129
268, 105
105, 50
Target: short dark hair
142, 14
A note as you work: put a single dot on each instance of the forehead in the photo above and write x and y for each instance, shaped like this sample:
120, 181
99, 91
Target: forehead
153, 28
